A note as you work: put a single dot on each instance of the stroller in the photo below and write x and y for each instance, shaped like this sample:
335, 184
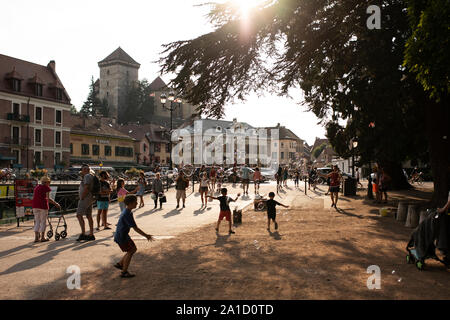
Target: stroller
430, 234
61, 220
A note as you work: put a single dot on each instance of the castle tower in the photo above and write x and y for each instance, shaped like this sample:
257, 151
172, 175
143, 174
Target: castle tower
117, 71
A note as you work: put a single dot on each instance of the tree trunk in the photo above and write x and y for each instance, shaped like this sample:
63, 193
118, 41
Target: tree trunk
438, 134
395, 171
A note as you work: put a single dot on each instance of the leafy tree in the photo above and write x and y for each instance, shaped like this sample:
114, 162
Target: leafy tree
347, 72
73, 110
318, 150
139, 104
93, 105
428, 47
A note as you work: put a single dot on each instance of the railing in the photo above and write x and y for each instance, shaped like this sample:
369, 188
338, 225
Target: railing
17, 141
18, 117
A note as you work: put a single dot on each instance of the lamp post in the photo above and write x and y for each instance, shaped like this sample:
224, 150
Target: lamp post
354, 146
174, 103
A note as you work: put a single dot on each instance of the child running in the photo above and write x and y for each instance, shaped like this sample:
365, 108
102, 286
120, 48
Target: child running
121, 193
122, 238
225, 211
272, 211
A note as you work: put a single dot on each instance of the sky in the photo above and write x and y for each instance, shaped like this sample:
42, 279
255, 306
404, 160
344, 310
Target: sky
79, 34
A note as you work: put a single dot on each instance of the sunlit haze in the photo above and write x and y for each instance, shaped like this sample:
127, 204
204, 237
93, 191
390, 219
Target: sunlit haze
79, 34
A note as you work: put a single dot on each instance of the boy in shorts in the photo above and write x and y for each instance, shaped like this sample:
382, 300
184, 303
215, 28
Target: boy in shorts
272, 211
122, 238
225, 211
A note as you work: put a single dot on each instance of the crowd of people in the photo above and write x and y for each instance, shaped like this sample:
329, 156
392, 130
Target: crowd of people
99, 189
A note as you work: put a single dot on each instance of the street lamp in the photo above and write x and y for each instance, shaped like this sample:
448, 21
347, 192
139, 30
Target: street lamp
174, 103
354, 146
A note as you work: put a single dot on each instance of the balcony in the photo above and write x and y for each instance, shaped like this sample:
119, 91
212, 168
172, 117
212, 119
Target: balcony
18, 117
15, 141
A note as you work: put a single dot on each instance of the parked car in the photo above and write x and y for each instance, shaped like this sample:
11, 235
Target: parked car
268, 173
322, 172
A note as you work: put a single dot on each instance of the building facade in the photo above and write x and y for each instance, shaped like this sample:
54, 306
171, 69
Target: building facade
95, 141
34, 115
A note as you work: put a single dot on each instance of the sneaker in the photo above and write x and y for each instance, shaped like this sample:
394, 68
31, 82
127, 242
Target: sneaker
82, 237
126, 274
90, 237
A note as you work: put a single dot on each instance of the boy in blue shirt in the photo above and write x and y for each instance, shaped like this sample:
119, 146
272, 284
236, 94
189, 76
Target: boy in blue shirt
121, 237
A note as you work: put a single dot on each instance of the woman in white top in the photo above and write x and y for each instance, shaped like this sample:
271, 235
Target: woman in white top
204, 187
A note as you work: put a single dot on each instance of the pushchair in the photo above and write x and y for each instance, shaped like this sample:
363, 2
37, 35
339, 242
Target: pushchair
61, 224
430, 234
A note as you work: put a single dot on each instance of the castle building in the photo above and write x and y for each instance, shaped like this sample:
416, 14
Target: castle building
117, 72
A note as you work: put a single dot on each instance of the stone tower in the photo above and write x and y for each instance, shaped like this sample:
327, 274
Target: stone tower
117, 71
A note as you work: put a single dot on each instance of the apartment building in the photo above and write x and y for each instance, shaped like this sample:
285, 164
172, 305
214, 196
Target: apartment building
34, 115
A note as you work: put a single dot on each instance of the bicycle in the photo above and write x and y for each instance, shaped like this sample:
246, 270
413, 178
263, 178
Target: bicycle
417, 178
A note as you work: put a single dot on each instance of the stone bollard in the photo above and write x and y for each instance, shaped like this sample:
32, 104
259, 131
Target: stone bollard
412, 220
402, 211
423, 215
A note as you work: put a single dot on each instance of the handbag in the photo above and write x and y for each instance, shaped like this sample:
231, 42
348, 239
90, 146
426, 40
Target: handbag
153, 196
163, 199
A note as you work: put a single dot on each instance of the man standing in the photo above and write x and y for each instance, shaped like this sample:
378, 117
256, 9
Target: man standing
181, 184
245, 175
85, 203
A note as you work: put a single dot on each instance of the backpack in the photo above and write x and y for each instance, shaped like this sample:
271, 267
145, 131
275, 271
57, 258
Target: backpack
95, 186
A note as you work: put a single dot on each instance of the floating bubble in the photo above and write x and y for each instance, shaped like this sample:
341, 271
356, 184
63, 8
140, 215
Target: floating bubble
399, 280
393, 271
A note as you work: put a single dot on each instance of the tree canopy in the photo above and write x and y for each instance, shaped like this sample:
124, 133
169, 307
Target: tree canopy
353, 78
93, 105
139, 103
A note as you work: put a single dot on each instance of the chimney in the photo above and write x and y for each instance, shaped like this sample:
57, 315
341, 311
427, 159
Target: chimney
52, 65
278, 125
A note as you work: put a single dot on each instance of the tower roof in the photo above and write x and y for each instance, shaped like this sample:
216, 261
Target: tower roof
119, 55
157, 84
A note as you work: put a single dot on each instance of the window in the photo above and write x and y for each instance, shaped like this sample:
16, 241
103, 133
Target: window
157, 147
16, 108
37, 136
85, 149
168, 147
71, 148
58, 138
15, 135
274, 155
59, 94
57, 158
145, 148
282, 155
38, 90
38, 116
168, 160
107, 83
16, 85
108, 151
37, 158
16, 154
95, 150
58, 116
124, 152
275, 144
107, 72
282, 145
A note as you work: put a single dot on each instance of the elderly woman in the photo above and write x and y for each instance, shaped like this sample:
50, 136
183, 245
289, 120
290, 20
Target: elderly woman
157, 188
41, 198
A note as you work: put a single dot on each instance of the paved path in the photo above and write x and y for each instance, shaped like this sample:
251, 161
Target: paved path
25, 265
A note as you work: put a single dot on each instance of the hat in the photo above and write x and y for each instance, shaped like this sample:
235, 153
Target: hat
45, 179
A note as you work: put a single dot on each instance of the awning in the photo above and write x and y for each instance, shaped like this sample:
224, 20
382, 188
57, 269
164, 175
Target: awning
2, 157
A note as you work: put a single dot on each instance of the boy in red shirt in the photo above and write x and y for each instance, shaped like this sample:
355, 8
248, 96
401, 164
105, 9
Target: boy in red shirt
225, 211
